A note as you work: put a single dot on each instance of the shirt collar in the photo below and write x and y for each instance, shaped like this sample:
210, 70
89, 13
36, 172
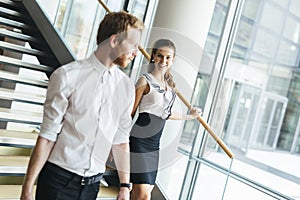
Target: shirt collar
99, 67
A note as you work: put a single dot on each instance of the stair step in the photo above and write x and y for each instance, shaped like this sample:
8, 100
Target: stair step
9, 4
11, 14
13, 192
12, 95
17, 36
13, 165
8, 76
19, 116
17, 138
20, 49
14, 24
19, 63
17, 166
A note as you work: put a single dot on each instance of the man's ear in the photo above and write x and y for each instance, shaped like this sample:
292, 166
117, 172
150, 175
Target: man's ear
113, 40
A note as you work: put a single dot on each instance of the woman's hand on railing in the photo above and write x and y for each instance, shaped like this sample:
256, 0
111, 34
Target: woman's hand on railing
195, 112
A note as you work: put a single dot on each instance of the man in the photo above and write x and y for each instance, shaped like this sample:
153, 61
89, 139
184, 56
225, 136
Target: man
86, 115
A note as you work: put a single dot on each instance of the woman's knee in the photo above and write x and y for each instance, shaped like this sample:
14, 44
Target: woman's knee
141, 192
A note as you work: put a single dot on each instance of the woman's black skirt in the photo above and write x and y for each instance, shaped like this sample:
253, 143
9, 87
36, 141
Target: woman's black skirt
144, 148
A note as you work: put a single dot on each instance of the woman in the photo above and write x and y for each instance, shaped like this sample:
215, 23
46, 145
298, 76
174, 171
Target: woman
154, 98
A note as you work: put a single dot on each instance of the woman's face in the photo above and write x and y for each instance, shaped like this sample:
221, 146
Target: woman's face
163, 59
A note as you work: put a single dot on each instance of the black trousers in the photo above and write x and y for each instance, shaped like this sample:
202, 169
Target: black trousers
56, 183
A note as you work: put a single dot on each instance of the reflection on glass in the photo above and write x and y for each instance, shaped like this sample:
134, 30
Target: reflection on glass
294, 7
283, 3
292, 30
265, 43
114, 5
250, 9
292, 116
243, 36
279, 80
241, 118
80, 26
60, 16
214, 34
271, 14
287, 54
210, 183
262, 82
202, 83
271, 140
138, 8
264, 125
191, 127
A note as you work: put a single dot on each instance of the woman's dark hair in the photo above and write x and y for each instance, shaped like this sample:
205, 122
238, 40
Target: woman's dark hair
158, 45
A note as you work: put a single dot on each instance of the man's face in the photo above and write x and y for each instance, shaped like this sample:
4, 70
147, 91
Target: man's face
126, 50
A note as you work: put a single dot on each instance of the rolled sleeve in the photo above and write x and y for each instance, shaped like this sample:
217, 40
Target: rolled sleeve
125, 125
55, 105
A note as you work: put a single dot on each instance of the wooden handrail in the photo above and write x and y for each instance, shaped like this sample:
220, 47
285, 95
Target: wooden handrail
200, 119
206, 126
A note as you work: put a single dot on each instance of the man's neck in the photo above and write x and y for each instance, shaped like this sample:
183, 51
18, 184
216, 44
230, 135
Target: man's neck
102, 53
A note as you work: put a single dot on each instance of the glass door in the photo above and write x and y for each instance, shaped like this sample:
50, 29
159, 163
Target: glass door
270, 120
242, 117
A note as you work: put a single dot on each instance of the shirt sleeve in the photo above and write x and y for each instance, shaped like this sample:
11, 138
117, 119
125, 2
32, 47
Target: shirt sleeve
126, 123
55, 105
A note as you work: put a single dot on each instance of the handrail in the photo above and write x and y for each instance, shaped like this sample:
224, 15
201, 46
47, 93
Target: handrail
200, 119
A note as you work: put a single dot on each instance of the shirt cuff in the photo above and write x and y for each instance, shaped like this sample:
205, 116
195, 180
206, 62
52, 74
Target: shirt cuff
121, 137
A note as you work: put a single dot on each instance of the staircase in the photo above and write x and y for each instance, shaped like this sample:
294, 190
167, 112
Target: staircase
30, 49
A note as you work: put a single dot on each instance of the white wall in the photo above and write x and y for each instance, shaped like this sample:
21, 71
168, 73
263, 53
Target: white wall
186, 23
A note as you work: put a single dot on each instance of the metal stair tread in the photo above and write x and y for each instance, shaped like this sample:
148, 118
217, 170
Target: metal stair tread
13, 95
8, 76
10, 12
20, 49
19, 36
12, 192
13, 24
19, 63
17, 138
20, 116
7, 1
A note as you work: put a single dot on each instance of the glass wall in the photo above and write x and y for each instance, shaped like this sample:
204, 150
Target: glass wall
256, 111
77, 21
269, 63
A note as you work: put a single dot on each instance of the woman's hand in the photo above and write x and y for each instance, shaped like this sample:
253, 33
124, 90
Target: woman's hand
195, 112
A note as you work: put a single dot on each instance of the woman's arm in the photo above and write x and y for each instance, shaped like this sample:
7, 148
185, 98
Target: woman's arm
141, 88
194, 113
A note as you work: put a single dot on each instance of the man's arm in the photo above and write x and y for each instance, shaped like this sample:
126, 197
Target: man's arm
55, 108
122, 160
38, 158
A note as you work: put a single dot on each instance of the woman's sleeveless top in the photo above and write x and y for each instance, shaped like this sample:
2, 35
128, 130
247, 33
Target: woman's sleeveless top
158, 101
